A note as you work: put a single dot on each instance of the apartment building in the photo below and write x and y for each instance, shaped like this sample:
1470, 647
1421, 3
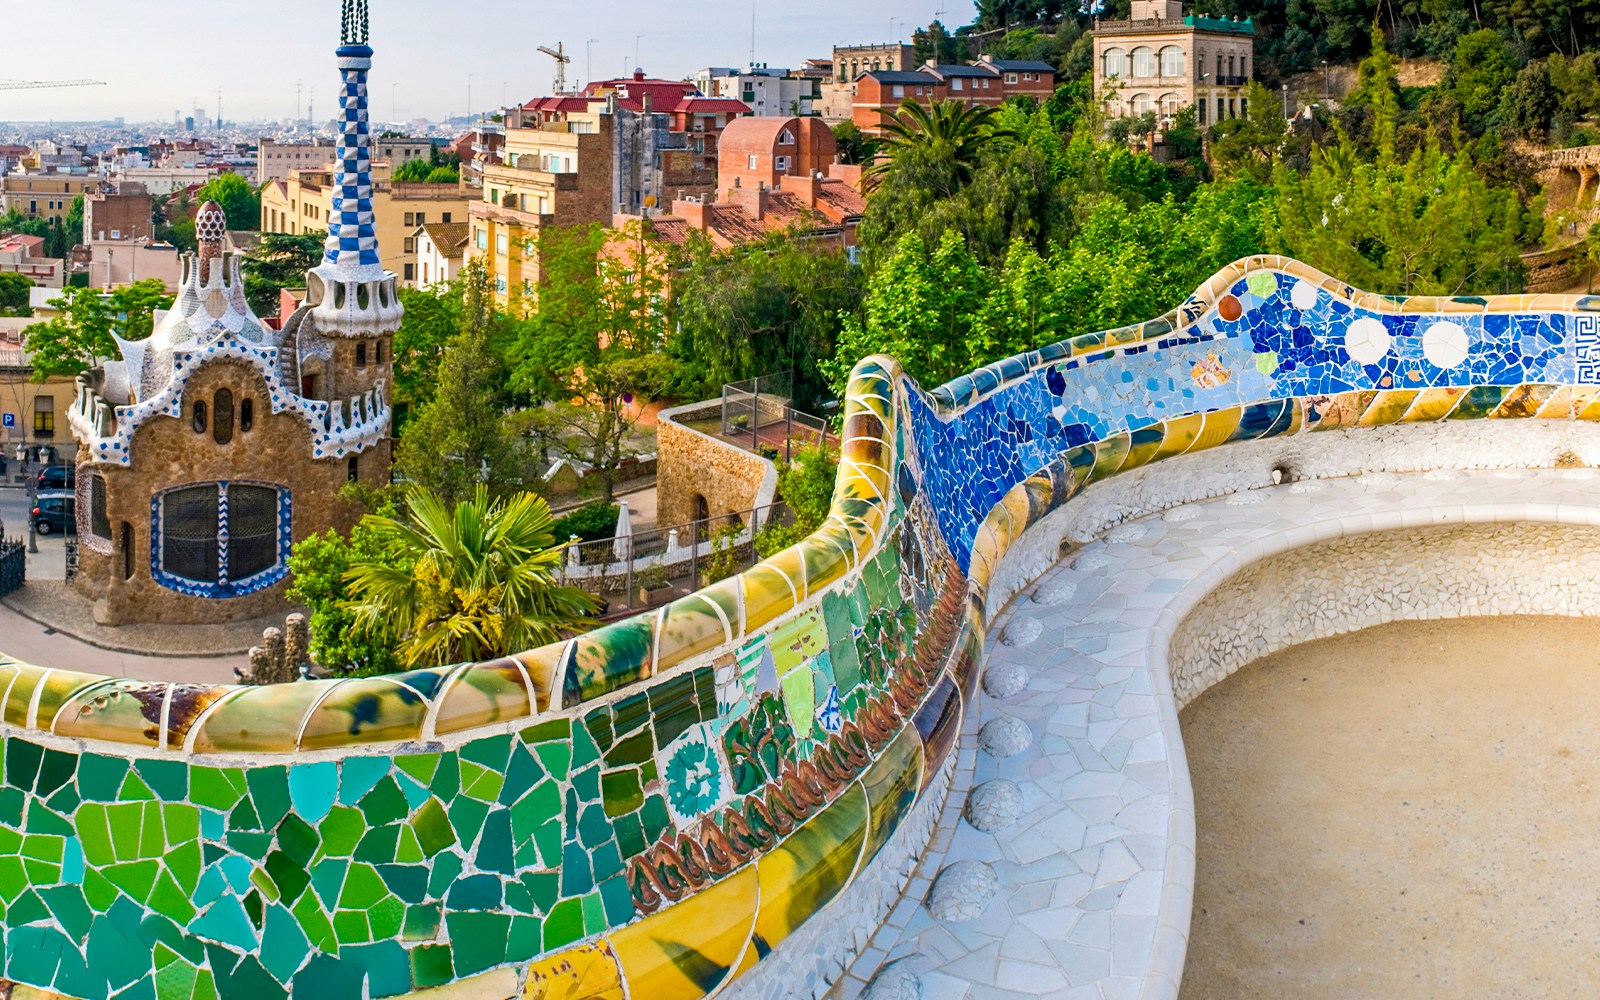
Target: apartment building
44, 195
837, 87
987, 81
121, 216
768, 92
24, 255
440, 250
1161, 60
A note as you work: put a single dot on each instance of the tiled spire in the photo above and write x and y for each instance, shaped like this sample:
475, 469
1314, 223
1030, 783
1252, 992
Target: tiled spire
352, 239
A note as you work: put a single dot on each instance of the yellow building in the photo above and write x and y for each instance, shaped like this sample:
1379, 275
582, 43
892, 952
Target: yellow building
43, 196
32, 414
1162, 60
302, 204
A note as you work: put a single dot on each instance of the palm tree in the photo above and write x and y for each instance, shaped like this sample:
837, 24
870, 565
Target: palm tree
950, 134
468, 583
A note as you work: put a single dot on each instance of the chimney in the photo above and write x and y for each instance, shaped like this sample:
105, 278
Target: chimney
803, 187
645, 103
693, 211
638, 74
752, 199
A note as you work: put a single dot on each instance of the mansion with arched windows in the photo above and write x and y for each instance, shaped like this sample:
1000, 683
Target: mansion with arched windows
1161, 60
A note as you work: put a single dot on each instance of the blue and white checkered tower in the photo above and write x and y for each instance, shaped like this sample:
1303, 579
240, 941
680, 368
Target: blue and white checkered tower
351, 293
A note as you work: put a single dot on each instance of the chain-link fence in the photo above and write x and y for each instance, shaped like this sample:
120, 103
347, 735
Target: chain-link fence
758, 413
654, 566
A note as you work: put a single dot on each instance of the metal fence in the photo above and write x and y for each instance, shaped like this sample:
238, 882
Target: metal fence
654, 566
13, 565
759, 413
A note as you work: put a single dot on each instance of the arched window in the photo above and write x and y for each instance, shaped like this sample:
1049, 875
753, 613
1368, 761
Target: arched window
1244, 65
1116, 62
1144, 61
1141, 104
377, 352
1200, 64
222, 417
1218, 80
1168, 105
1171, 61
199, 411
220, 539
247, 415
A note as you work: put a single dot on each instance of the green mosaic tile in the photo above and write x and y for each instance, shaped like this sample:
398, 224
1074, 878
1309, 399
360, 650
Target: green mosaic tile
217, 788
564, 925
420, 766
492, 753
543, 887
249, 979
327, 880
384, 803
556, 758
341, 831
99, 776
22, 763
479, 940
386, 917
328, 978
621, 792
269, 790
55, 769
447, 778
297, 839
288, 875
169, 779
594, 914
479, 782
635, 749
351, 926
408, 882
432, 826
421, 923
617, 900
386, 967
70, 908
416, 794
313, 788
630, 834
431, 965
474, 892
254, 907
494, 853
357, 776
522, 773
225, 922
674, 708
378, 846
630, 714
171, 899
314, 922
283, 945
467, 816
607, 861
576, 876
523, 942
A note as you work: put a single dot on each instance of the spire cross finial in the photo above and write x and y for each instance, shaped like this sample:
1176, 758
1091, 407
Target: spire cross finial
354, 23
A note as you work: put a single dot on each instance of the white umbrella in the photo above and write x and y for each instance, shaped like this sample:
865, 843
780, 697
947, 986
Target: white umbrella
622, 542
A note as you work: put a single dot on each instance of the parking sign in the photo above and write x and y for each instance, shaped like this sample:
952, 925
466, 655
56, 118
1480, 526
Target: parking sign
10, 420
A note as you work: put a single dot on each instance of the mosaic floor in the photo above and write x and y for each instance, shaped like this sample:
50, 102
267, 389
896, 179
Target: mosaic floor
1081, 874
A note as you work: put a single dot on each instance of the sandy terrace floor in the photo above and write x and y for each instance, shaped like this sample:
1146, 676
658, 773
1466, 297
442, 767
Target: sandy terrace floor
1408, 811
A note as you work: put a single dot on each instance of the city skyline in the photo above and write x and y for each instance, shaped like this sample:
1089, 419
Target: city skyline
425, 54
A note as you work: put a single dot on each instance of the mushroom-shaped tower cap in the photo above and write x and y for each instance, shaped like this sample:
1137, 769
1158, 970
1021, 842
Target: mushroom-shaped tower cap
210, 223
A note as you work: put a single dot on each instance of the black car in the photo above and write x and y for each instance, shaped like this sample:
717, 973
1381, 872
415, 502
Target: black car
55, 513
57, 477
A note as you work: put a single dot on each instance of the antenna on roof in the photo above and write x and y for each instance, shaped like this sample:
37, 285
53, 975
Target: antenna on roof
752, 32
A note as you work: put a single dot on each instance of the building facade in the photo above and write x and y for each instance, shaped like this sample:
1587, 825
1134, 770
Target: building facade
24, 255
439, 250
218, 442
305, 203
1161, 60
988, 81
44, 196
276, 160
767, 92
123, 216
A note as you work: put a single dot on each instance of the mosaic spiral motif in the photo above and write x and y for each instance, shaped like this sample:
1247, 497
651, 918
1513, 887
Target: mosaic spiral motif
649, 809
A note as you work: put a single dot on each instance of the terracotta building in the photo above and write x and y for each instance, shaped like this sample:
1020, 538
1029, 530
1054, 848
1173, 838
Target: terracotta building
1162, 60
214, 445
123, 216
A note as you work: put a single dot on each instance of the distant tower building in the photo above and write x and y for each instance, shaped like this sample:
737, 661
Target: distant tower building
1162, 60
214, 445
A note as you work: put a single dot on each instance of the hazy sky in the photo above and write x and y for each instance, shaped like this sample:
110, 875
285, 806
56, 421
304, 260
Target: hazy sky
158, 56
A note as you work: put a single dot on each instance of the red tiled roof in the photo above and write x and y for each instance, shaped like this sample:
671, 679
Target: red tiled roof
711, 105
839, 201
670, 229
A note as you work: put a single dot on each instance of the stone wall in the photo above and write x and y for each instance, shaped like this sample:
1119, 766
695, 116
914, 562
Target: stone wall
1359, 581
168, 452
691, 465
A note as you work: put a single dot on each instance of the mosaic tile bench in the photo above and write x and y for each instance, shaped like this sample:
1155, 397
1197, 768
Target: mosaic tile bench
651, 809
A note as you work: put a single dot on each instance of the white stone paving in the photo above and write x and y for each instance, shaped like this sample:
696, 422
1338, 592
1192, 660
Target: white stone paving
1096, 876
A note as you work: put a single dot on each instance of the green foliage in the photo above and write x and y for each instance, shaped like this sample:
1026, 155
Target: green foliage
1480, 70
1427, 225
772, 307
433, 315
465, 581
57, 238
14, 290
592, 522
240, 202
937, 43
73, 341
461, 437
805, 483
429, 171
318, 567
943, 140
279, 261
1249, 146
594, 347
1530, 104
855, 146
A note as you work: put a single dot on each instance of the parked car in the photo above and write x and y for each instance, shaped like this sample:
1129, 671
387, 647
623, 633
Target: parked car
55, 512
57, 477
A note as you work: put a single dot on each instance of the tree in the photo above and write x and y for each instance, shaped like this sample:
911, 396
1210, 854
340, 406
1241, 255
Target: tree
319, 568
593, 350
1480, 71
1250, 145
855, 146
805, 482
466, 581
1428, 225
759, 310
460, 438
239, 201
935, 42
279, 261
14, 291
1530, 104
80, 336
432, 318
949, 136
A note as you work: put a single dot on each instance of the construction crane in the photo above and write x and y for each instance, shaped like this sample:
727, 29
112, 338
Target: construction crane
560, 56
45, 84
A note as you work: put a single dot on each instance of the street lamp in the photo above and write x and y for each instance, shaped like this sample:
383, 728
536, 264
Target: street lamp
1286, 100
1324, 79
588, 61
